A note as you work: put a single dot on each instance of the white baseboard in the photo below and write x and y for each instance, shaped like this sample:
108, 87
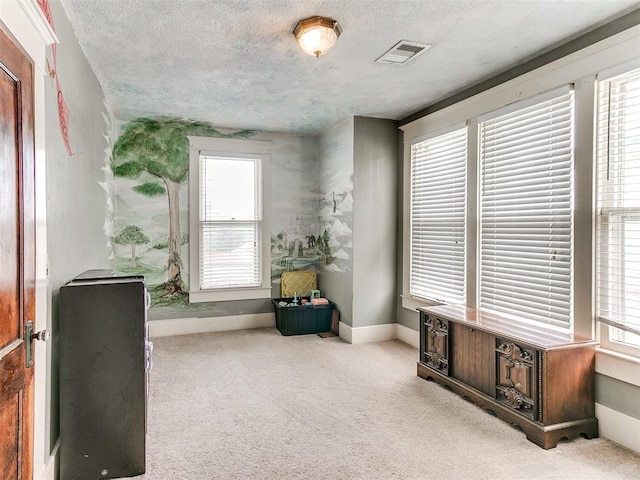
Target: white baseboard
345, 332
618, 427
408, 336
379, 333
186, 326
48, 471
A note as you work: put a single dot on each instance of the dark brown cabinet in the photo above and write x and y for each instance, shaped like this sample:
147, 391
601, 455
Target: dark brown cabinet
539, 378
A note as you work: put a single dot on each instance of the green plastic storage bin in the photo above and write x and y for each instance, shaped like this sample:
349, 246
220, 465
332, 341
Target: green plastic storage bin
302, 320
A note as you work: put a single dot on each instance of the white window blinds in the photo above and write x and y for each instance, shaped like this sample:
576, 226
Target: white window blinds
230, 222
618, 206
525, 210
438, 209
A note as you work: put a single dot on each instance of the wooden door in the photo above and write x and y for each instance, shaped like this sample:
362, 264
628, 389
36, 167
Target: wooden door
17, 260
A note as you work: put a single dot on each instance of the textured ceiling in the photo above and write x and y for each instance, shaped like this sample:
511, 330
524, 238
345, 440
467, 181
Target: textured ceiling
236, 64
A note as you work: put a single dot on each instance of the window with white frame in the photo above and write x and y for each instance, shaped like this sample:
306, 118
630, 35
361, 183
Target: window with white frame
618, 211
525, 219
438, 213
229, 233
594, 287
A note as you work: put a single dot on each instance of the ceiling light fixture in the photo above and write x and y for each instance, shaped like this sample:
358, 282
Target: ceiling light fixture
316, 35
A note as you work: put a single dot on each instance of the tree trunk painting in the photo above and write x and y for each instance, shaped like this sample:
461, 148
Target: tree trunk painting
174, 264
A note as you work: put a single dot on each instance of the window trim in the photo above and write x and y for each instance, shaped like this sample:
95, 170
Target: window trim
227, 147
604, 330
607, 343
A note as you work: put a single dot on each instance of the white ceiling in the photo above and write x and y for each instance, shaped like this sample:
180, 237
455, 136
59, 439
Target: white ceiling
236, 64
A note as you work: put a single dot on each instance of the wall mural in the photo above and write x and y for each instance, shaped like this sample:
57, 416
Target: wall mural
150, 161
298, 247
336, 195
336, 211
155, 153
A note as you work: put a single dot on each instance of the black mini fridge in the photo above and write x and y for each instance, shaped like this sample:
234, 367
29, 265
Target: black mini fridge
105, 357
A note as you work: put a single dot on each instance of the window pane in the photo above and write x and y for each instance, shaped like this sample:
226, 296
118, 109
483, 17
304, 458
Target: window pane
229, 255
618, 203
438, 213
228, 188
621, 336
525, 211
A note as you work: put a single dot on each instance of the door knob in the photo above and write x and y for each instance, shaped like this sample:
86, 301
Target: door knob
42, 335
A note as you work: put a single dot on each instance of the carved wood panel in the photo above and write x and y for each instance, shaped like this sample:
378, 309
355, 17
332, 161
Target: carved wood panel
436, 353
516, 377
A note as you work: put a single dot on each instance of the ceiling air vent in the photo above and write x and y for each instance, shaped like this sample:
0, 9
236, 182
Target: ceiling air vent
402, 52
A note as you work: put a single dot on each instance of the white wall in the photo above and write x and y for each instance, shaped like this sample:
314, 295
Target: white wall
76, 204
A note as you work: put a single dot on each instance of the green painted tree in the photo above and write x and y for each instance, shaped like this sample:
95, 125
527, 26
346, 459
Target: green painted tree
157, 152
132, 235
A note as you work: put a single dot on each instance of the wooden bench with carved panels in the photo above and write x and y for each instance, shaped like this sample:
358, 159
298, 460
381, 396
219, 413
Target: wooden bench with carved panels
536, 377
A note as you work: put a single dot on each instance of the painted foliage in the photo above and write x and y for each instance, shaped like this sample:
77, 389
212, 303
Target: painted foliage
150, 234
155, 153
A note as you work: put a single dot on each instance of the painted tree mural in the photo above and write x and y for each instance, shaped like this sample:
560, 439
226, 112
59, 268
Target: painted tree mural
159, 148
131, 235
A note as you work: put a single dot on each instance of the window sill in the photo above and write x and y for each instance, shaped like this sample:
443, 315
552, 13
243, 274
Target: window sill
224, 295
413, 303
618, 365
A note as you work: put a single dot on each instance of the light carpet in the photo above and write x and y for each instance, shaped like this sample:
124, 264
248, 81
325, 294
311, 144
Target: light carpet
253, 404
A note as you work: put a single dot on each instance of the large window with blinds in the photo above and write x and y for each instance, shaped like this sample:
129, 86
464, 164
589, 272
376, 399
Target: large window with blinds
438, 213
548, 229
525, 220
228, 233
618, 210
